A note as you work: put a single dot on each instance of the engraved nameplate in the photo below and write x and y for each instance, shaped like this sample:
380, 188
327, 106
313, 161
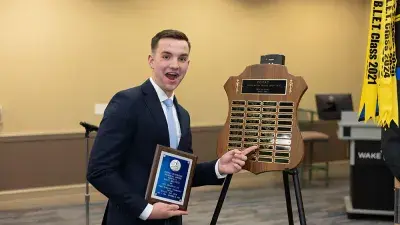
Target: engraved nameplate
264, 86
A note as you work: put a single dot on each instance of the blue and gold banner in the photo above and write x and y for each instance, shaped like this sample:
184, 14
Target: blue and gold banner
379, 92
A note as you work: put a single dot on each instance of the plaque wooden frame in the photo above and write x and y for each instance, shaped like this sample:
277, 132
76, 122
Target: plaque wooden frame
242, 92
263, 87
153, 174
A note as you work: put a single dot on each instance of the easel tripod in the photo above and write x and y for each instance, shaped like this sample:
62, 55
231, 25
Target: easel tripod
89, 128
295, 173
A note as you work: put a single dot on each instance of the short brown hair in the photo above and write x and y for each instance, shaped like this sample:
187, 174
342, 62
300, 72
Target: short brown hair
174, 34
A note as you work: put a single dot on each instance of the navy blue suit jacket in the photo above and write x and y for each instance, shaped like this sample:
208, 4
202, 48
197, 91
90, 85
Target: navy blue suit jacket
122, 154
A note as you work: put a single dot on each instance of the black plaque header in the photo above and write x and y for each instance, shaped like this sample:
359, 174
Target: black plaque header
264, 86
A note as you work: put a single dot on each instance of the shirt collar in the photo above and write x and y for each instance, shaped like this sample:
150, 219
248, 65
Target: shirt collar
160, 93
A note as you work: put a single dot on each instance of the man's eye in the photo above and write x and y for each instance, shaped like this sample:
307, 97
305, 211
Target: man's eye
165, 57
183, 59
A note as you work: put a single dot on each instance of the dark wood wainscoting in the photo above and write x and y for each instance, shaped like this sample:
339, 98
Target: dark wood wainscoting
56, 159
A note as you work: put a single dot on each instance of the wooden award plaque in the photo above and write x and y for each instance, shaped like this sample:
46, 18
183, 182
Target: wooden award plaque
263, 102
171, 177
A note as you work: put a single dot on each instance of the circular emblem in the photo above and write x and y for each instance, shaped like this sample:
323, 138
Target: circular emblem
175, 165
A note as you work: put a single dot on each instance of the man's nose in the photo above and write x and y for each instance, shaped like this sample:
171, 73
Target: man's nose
174, 64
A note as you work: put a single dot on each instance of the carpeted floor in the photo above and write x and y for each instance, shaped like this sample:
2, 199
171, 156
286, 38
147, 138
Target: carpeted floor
252, 204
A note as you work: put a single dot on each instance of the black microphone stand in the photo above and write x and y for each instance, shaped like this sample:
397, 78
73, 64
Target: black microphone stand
89, 128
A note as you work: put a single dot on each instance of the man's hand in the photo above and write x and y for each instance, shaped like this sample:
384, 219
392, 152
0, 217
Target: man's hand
164, 211
233, 161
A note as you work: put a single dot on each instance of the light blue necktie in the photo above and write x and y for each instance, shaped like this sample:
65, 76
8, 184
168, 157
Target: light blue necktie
173, 139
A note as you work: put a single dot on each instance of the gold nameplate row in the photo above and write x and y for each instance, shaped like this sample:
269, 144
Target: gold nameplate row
267, 124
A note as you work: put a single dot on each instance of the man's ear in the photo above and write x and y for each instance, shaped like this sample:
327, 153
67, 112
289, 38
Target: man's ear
150, 60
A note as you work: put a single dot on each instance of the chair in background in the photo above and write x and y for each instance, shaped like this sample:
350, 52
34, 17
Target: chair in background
310, 137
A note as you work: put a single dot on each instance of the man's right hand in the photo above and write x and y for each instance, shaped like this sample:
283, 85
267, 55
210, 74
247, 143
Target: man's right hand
164, 211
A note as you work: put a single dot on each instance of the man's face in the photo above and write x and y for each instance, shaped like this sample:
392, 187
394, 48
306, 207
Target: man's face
169, 62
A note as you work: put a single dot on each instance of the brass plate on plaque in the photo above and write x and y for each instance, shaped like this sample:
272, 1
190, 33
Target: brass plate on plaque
263, 102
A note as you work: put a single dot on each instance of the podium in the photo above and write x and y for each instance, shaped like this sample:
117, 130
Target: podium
371, 181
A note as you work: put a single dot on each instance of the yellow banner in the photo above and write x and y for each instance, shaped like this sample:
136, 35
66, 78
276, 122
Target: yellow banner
379, 91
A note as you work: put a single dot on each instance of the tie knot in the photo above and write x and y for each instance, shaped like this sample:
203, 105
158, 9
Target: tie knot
168, 102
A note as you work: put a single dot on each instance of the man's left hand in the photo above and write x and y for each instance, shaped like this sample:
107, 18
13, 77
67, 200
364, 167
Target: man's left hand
233, 161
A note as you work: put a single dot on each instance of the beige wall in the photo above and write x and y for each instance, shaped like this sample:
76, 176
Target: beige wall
60, 57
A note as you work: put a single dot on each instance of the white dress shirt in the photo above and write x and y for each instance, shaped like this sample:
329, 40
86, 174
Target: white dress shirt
162, 97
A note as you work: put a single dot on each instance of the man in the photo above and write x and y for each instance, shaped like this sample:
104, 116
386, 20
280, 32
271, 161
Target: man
134, 122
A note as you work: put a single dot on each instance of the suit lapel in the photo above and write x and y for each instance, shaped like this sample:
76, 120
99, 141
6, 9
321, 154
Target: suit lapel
153, 103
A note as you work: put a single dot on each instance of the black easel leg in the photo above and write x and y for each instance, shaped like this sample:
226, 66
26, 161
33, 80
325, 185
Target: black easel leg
299, 198
285, 175
221, 199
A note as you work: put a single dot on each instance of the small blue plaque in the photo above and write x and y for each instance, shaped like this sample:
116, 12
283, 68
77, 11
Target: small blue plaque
171, 177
